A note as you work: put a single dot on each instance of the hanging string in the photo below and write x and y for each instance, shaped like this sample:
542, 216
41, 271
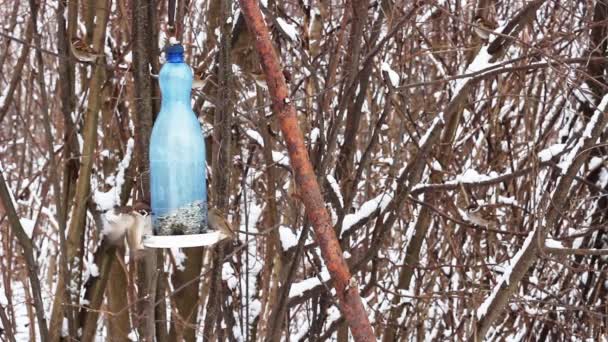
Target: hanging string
171, 17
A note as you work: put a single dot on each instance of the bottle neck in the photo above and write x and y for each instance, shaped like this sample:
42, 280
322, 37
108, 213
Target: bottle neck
175, 57
175, 80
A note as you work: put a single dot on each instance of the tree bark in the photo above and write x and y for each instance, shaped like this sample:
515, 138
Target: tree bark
183, 321
118, 321
28, 252
272, 316
222, 161
17, 72
346, 287
144, 113
78, 222
94, 293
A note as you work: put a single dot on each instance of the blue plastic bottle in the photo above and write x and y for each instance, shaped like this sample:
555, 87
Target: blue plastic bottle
177, 155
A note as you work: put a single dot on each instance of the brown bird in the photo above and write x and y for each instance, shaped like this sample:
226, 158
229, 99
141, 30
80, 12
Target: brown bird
132, 222
483, 216
292, 191
199, 80
218, 223
483, 27
142, 226
315, 33
287, 76
83, 52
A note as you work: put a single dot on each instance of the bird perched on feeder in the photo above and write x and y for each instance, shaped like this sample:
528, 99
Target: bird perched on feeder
83, 52
142, 226
483, 27
132, 222
218, 223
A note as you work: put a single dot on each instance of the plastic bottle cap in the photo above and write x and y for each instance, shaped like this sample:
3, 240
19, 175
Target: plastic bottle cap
175, 53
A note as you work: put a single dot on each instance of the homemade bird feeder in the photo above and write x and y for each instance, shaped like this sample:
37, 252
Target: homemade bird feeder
177, 163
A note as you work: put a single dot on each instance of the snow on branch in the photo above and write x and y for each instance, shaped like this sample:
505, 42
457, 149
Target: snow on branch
299, 288
472, 177
481, 62
567, 160
393, 76
494, 304
288, 238
366, 210
557, 248
289, 29
505, 278
336, 189
108, 199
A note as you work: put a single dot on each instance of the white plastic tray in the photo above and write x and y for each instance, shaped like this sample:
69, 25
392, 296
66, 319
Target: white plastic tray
182, 241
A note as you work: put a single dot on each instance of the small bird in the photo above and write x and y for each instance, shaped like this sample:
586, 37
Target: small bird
315, 34
116, 222
292, 191
130, 222
142, 226
483, 27
83, 52
217, 222
199, 81
482, 216
287, 75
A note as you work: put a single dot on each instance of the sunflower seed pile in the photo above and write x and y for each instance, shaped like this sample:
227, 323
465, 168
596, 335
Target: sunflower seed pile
189, 219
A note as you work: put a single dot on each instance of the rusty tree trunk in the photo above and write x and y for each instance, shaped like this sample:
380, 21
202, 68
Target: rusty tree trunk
350, 302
